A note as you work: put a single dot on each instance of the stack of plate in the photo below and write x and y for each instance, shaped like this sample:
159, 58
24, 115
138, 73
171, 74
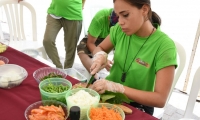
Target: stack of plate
31, 52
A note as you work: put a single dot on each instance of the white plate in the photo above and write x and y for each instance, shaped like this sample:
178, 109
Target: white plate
31, 52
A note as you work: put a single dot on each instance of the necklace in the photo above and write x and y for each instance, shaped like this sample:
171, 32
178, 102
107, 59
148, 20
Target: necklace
123, 78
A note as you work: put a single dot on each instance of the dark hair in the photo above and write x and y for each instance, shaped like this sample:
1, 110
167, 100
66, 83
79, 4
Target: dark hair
153, 17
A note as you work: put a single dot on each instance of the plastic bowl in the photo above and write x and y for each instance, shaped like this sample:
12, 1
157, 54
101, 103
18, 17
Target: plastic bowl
79, 97
4, 59
75, 74
44, 103
109, 106
11, 75
54, 95
40, 73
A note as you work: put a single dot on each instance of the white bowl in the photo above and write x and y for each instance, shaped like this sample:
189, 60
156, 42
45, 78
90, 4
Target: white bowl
11, 75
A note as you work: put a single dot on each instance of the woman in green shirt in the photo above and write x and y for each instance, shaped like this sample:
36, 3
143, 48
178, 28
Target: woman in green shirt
144, 59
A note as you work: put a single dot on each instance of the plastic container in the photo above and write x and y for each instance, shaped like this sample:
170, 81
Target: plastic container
4, 59
54, 96
109, 106
80, 97
45, 103
40, 73
75, 74
11, 75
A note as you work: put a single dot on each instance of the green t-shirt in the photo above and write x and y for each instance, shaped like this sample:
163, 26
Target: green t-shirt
158, 52
68, 9
99, 26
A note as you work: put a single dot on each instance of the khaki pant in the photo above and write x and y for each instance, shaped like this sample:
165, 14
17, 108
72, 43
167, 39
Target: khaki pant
72, 30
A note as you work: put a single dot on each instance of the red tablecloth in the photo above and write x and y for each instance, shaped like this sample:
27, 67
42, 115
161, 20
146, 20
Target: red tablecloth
14, 101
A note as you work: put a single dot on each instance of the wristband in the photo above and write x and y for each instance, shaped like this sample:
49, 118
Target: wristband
101, 53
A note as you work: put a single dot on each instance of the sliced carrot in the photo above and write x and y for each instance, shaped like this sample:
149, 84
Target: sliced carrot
104, 113
47, 113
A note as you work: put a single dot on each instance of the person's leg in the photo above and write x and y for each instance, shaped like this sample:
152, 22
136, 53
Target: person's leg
72, 31
52, 28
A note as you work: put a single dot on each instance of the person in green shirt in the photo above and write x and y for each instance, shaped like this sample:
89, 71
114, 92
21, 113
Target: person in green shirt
66, 14
99, 28
144, 60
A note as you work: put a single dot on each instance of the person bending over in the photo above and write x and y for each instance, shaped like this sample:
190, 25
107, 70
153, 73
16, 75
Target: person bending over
99, 28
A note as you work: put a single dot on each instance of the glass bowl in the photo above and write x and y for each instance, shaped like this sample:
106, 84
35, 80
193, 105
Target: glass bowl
53, 89
104, 114
11, 75
84, 98
36, 105
43, 73
4, 59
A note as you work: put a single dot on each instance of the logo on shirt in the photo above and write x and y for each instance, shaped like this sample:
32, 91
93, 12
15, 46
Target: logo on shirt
141, 62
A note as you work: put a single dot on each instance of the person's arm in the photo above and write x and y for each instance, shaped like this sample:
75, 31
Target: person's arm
157, 98
105, 46
19, 0
100, 55
164, 78
91, 42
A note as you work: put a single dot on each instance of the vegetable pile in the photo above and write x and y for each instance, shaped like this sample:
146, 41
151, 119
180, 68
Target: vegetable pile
51, 75
47, 113
104, 113
55, 88
114, 98
58, 91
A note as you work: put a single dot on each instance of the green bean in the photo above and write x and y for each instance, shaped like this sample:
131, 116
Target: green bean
55, 88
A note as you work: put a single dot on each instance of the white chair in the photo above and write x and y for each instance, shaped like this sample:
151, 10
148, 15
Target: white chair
188, 114
158, 112
1, 32
14, 13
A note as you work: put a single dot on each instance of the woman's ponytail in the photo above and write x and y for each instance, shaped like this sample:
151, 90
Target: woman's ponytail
155, 18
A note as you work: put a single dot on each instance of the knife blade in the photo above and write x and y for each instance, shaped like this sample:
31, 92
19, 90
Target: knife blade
90, 81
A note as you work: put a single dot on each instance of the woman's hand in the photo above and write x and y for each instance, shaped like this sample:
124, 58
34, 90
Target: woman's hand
102, 85
99, 62
109, 65
19, 0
